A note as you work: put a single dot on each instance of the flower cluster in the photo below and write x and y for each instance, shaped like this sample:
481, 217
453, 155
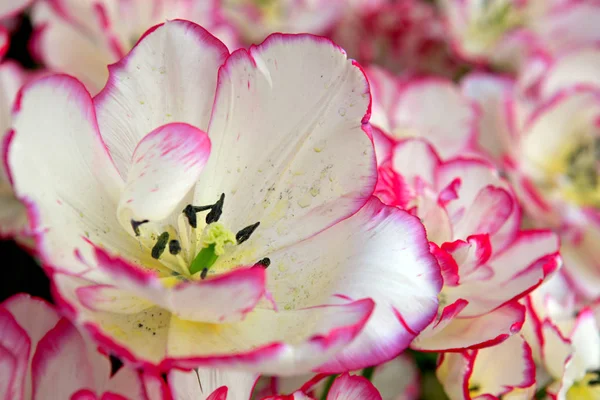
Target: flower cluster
302, 199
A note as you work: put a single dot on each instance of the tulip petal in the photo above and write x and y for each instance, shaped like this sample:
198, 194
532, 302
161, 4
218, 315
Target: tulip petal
76, 186
478, 332
382, 253
170, 76
200, 383
288, 127
435, 109
166, 164
350, 387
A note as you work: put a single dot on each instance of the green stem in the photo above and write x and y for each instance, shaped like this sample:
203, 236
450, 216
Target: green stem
368, 372
328, 385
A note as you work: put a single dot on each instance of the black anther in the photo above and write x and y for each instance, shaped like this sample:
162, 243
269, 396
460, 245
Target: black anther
136, 226
203, 273
174, 247
245, 233
265, 262
217, 210
160, 245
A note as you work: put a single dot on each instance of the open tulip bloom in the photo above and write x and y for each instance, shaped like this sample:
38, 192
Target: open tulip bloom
216, 210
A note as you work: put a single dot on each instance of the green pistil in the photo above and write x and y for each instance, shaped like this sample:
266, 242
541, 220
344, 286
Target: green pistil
215, 238
205, 259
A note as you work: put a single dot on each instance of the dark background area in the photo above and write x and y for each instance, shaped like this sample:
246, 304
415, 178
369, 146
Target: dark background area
22, 273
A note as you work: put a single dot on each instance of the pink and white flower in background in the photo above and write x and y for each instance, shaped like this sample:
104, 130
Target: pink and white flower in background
429, 107
11, 8
506, 32
405, 37
504, 371
256, 19
344, 387
208, 209
543, 131
472, 220
82, 37
43, 356
398, 379
211, 384
565, 340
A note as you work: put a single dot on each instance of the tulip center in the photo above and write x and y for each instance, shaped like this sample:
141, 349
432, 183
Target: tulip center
189, 252
586, 389
580, 182
494, 19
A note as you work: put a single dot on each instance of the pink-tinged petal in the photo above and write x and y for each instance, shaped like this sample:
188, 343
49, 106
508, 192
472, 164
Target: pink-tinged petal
448, 266
159, 83
557, 352
219, 394
75, 187
60, 365
381, 253
287, 131
483, 202
200, 383
15, 341
490, 210
350, 387
578, 67
156, 339
164, 167
225, 297
517, 270
454, 371
260, 341
4, 41
36, 317
490, 93
383, 145
478, 332
435, 109
63, 47
8, 375
415, 159
13, 7
384, 91
500, 369
585, 338
397, 379
550, 129
470, 257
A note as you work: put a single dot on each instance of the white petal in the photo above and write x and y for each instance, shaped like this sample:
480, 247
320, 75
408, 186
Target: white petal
434, 109
73, 190
165, 166
289, 148
381, 253
577, 67
170, 76
199, 384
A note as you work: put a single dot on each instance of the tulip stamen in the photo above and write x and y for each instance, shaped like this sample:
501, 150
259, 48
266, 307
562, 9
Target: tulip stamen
264, 263
245, 233
135, 225
160, 245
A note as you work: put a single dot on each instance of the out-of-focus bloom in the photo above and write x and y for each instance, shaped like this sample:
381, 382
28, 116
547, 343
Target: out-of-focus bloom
82, 37
344, 387
291, 170
565, 340
472, 219
397, 379
505, 371
544, 132
405, 37
10, 8
506, 32
211, 384
256, 19
430, 107
43, 356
